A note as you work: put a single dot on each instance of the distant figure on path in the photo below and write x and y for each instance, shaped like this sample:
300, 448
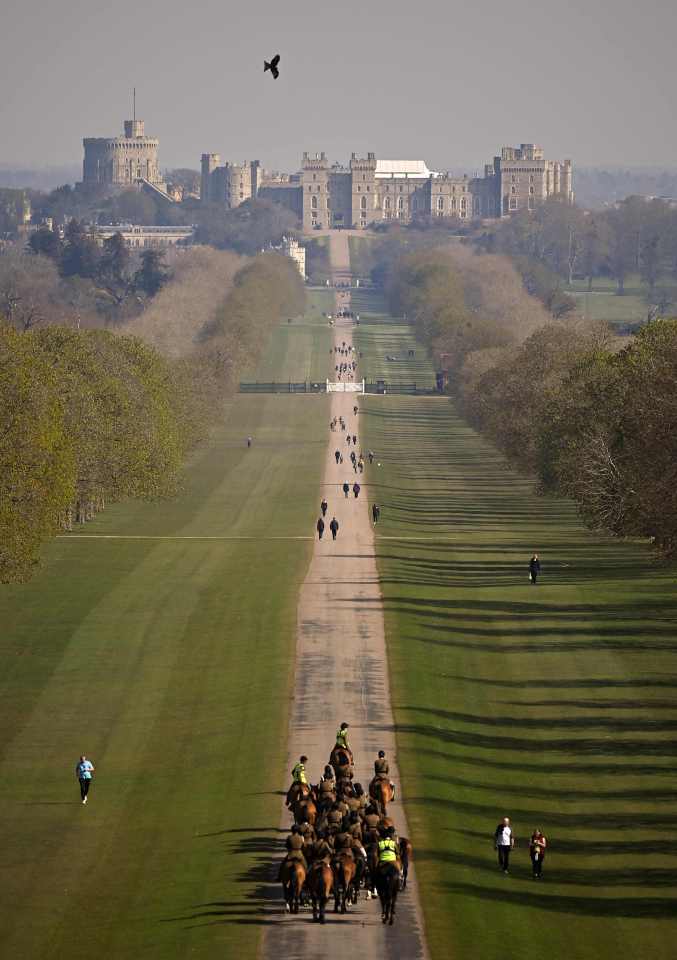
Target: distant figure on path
249, 441
320, 528
375, 512
355, 410
83, 771
354, 439
337, 454
534, 568
537, 846
346, 489
323, 507
504, 841
348, 439
334, 527
356, 489
371, 457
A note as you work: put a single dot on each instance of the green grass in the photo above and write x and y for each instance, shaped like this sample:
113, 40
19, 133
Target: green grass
169, 662
361, 255
380, 338
553, 704
299, 350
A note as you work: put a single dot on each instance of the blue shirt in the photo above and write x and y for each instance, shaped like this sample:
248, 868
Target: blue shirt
84, 770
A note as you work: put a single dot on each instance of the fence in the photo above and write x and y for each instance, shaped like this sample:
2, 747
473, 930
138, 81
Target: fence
322, 386
290, 387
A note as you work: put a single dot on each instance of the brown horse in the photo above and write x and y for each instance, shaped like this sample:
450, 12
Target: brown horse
381, 794
344, 876
293, 878
321, 886
296, 792
388, 886
304, 810
406, 853
341, 759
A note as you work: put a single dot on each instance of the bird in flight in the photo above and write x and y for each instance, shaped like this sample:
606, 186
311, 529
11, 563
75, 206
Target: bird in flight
272, 66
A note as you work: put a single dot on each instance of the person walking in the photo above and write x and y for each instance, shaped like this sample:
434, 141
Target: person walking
371, 457
334, 527
360, 464
249, 441
320, 527
375, 512
356, 489
354, 440
504, 841
83, 771
324, 507
355, 410
537, 846
534, 568
346, 489
337, 454
348, 439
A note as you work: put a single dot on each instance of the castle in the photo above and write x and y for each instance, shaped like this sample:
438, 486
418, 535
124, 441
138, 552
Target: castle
128, 161
371, 190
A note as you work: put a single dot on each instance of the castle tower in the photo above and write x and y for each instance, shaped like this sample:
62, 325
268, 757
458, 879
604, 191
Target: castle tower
363, 190
208, 164
316, 194
122, 161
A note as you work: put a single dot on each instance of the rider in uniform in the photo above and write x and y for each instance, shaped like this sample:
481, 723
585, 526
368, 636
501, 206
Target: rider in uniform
294, 844
382, 769
307, 831
342, 738
334, 819
320, 849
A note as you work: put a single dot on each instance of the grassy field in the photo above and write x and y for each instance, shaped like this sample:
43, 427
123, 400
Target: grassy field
603, 303
553, 704
380, 338
169, 662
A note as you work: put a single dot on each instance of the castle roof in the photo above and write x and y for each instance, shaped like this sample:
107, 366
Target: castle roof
413, 169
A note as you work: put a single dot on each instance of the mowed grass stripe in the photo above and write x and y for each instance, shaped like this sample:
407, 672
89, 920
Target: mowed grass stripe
169, 662
554, 705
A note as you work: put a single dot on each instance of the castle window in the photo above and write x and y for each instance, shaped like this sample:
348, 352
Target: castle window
387, 203
513, 190
367, 188
364, 176
315, 176
440, 204
363, 203
513, 203
400, 203
313, 203
531, 203
513, 178
358, 188
531, 190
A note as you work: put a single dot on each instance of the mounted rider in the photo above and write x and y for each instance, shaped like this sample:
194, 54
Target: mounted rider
295, 846
342, 739
382, 770
299, 779
388, 849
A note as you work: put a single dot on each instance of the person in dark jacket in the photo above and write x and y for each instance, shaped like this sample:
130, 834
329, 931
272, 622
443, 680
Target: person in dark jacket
334, 527
346, 489
375, 512
320, 528
356, 489
337, 455
534, 568
323, 507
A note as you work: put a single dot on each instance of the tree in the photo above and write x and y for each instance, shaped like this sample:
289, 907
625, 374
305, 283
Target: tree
133, 206
113, 266
29, 290
248, 229
81, 254
36, 464
47, 243
153, 274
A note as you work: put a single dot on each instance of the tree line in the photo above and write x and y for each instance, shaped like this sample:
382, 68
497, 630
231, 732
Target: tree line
91, 417
591, 421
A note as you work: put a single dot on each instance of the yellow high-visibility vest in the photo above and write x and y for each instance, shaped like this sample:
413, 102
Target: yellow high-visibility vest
387, 851
299, 773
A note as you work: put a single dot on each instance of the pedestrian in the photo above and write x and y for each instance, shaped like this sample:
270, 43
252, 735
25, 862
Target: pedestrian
537, 846
249, 441
337, 454
353, 457
348, 439
341, 459
371, 457
334, 527
360, 464
346, 489
375, 512
534, 568
83, 771
320, 528
356, 489
355, 410
504, 841
323, 507
354, 440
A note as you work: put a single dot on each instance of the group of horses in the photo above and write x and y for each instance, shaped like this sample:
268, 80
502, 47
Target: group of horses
341, 829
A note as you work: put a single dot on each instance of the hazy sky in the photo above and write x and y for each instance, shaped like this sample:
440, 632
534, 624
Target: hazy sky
595, 80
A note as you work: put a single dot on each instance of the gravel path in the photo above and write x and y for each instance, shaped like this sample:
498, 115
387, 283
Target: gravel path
342, 674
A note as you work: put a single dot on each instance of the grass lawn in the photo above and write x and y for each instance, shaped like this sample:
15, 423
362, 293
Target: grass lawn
380, 338
168, 662
552, 704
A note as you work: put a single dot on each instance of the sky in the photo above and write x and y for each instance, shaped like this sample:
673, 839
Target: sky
594, 80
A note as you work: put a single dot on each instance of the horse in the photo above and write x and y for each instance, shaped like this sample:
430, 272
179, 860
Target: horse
296, 792
344, 876
381, 794
372, 869
293, 879
388, 885
305, 810
321, 886
340, 759
406, 853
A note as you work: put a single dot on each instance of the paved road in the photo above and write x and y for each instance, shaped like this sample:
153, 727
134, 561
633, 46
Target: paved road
342, 674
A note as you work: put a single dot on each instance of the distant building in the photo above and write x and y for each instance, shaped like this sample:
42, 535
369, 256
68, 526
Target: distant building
128, 161
371, 190
139, 237
293, 249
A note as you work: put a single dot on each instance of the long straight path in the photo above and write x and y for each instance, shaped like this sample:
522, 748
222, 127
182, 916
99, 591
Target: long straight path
342, 674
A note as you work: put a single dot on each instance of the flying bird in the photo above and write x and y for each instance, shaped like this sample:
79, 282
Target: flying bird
272, 66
